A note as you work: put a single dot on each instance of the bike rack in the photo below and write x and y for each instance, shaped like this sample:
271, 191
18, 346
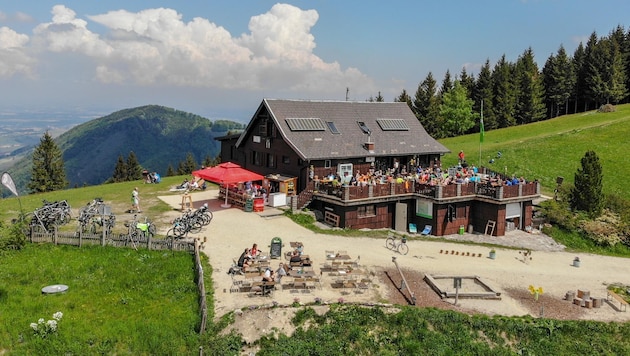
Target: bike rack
403, 284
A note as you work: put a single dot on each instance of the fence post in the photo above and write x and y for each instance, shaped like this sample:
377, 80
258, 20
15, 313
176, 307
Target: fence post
55, 234
80, 237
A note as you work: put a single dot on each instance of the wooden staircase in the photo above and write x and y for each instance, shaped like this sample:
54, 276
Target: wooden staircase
306, 196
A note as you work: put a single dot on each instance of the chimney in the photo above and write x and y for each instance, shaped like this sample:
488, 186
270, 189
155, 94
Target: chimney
369, 146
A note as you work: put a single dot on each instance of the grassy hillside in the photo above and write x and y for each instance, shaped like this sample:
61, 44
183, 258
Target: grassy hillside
158, 135
547, 149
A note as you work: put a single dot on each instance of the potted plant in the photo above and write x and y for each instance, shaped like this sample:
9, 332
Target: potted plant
493, 254
576, 262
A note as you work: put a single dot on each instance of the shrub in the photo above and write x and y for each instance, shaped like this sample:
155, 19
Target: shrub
12, 237
604, 230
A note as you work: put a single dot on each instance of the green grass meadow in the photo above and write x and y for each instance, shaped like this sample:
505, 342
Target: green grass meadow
548, 149
119, 301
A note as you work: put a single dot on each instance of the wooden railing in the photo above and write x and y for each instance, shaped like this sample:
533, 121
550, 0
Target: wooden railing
349, 193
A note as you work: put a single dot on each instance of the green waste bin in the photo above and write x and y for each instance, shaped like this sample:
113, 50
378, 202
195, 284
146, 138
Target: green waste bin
276, 248
461, 229
249, 205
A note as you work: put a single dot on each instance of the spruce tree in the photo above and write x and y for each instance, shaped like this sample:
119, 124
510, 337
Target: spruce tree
586, 195
190, 164
404, 98
48, 173
426, 105
120, 171
170, 172
530, 105
134, 170
483, 93
504, 93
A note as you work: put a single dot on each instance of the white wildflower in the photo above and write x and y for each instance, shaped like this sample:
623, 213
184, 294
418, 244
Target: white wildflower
58, 315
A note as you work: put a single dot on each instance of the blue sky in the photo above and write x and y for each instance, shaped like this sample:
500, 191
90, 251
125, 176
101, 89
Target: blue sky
219, 59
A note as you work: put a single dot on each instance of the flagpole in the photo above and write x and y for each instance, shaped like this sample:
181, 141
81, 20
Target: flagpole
481, 133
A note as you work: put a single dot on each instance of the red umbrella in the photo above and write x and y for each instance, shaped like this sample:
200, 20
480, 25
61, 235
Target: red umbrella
227, 173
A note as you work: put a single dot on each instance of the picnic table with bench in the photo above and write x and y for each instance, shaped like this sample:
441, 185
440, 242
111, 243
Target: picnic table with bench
622, 302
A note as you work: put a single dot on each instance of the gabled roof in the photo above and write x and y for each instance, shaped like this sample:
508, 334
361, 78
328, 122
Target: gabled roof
304, 125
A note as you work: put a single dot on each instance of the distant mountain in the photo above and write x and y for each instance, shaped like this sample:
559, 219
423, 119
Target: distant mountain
158, 135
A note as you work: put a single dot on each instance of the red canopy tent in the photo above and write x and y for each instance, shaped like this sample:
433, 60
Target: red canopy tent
227, 173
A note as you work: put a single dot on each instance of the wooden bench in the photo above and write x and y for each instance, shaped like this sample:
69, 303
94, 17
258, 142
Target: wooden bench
622, 302
331, 219
265, 287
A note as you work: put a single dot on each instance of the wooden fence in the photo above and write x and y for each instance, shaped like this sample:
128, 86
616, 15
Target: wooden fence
122, 240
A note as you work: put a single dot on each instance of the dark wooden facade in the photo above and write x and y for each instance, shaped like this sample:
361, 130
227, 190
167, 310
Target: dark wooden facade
271, 146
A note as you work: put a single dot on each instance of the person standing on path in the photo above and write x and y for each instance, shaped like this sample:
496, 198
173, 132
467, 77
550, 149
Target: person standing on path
135, 200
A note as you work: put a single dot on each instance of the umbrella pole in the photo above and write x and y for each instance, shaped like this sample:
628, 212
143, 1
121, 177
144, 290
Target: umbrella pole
226, 205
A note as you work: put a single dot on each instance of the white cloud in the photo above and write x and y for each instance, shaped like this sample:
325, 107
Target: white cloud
66, 33
13, 56
155, 46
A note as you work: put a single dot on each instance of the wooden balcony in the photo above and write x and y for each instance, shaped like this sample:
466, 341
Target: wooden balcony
349, 194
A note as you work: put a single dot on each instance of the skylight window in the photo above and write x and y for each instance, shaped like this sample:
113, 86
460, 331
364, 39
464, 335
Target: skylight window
364, 127
332, 127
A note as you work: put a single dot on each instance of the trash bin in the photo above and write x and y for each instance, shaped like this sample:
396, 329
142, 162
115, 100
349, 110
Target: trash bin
276, 248
461, 229
249, 205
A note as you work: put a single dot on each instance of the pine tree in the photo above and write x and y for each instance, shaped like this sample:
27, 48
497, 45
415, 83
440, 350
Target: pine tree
593, 85
404, 98
190, 164
468, 82
504, 93
579, 72
447, 83
587, 194
483, 93
134, 170
559, 81
120, 171
530, 105
170, 172
181, 168
426, 105
48, 173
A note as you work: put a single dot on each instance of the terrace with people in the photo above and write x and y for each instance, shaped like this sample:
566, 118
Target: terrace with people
435, 183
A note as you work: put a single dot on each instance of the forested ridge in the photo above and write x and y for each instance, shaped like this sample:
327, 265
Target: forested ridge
514, 93
158, 136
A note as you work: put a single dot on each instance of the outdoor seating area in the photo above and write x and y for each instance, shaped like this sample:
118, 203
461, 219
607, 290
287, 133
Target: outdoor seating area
298, 274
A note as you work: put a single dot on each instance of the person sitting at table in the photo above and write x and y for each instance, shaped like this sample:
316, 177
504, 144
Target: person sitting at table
254, 251
244, 260
269, 275
280, 272
295, 256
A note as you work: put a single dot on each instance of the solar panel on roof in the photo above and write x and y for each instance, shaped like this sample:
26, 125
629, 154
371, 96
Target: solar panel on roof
393, 124
305, 124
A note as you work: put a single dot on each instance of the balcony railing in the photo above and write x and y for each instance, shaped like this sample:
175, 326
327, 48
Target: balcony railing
486, 190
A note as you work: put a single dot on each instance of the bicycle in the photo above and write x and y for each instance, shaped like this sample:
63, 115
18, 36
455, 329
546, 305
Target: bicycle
400, 247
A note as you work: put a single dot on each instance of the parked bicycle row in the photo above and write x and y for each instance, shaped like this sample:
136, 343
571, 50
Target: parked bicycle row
190, 222
97, 218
